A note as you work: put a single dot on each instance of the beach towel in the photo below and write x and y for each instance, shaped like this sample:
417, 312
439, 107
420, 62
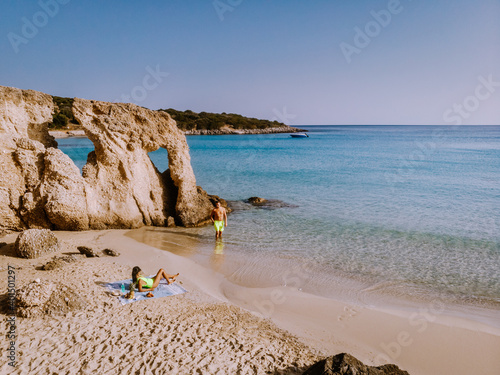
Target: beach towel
162, 290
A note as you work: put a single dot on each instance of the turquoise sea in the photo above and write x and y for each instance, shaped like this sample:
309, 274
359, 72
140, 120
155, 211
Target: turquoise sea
411, 212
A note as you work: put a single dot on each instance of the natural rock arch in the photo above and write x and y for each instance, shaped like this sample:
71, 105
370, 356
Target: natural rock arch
123, 135
41, 187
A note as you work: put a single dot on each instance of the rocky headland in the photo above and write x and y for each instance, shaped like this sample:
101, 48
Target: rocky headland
119, 187
229, 130
205, 123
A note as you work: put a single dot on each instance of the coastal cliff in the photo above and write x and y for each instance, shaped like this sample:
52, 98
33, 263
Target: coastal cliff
41, 187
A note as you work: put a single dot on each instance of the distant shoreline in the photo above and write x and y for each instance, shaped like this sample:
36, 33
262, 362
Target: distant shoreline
222, 131
227, 130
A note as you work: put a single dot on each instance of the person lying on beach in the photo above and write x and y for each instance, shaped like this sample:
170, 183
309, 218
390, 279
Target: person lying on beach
147, 284
219, 218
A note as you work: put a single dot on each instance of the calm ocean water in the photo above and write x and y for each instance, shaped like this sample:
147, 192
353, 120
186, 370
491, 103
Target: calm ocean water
410, 211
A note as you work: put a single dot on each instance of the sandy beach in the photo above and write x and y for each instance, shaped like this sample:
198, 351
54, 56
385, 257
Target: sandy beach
222, 328
354, 146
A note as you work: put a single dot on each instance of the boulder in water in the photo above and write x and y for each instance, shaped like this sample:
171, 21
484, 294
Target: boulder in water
257, 200
269, 204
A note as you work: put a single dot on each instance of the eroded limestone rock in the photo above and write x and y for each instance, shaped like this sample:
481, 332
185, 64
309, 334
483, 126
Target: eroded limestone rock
33, 243
40, 187
26, 114
123, 185
64, 190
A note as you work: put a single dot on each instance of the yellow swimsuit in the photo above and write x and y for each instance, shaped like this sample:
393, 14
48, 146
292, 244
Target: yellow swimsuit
147, 280
219, 225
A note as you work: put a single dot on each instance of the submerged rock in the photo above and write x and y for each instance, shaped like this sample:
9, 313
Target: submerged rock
40, 187
33, 243
258, 202
346, 364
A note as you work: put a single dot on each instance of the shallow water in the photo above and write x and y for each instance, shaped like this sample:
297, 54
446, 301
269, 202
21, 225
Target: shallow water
410, 211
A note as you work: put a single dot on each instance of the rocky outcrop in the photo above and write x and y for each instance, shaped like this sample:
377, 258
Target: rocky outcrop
134, 190
33, 243
64, 192
40, 187
345, 364
26, 114
45, 297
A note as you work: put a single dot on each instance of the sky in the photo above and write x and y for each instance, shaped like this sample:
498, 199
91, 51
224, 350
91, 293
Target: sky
315, 62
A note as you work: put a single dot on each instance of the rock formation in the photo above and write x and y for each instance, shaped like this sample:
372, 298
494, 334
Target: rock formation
257, 200
123, 134
111, 252
26, 114
269, 204
60, 262
88, 252
45, 297
33, 243
40, 186
346, 364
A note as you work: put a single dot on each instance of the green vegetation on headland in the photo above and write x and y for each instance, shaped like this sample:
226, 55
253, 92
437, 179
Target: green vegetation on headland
189, 120
63, 118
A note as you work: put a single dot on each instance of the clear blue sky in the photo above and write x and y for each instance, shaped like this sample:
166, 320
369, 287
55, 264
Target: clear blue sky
304, 62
